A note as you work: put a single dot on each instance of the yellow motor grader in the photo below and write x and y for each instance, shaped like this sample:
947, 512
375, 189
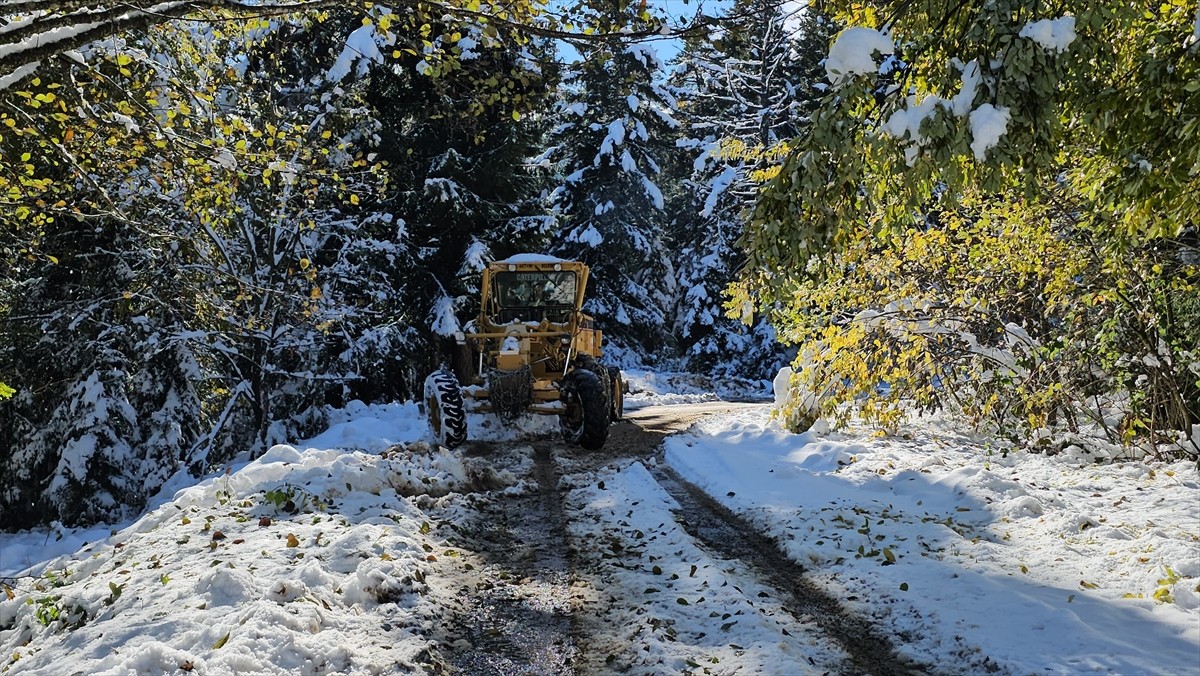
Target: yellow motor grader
531, 350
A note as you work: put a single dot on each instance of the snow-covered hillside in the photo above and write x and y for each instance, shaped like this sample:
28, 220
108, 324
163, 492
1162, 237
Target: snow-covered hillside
331, 555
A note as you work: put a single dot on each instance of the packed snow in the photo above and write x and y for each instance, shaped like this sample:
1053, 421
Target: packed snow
330, 554
530, 258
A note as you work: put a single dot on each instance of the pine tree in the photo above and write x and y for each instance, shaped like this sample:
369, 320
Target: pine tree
465, 187
615, 132
745, 89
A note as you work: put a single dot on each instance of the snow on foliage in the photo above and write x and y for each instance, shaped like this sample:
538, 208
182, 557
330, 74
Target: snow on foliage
360, 52
475, 259
1054, 35
646, 54
988, 125
853, 53
443, 320
589, 236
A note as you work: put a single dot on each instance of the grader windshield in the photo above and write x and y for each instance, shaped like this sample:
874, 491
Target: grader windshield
533, 295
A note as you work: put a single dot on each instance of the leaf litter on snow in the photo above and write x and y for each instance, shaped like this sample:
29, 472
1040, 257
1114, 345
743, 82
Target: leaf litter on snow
659, 603
973, 555
299, 562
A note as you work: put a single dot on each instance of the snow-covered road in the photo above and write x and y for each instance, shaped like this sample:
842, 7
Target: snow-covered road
364, 551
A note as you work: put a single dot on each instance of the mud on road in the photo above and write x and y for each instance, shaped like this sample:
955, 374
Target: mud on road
535, 599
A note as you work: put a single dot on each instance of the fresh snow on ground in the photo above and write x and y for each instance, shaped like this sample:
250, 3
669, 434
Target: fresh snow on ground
330, 555
680, 605
1041, 563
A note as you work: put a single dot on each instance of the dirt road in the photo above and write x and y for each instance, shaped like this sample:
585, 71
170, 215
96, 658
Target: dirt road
545, 586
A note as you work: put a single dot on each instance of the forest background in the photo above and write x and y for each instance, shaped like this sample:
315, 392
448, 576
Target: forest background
219, 220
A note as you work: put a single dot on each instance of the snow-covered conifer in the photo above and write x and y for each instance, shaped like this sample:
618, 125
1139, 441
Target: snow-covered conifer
615, 131
746, 89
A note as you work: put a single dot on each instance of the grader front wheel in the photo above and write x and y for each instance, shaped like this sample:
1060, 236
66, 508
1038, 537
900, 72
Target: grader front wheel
444, 409
586, 420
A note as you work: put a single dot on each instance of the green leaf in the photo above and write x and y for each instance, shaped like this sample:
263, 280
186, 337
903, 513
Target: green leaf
6, 391
115, 592
221, 642
903, 586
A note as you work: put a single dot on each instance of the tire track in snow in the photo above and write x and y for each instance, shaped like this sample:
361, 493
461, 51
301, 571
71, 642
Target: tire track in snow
517, 617
733, 538
723, 532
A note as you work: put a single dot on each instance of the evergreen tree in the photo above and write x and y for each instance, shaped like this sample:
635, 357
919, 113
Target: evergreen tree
460, 160
746, 89
615, 132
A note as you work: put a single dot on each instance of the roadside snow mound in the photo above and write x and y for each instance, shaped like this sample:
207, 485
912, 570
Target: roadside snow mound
649, 388
298, 562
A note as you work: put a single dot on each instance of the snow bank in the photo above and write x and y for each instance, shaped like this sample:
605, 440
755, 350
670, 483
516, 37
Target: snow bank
302, 561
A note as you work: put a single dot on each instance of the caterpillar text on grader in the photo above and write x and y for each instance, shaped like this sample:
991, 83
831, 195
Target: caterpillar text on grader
530, 350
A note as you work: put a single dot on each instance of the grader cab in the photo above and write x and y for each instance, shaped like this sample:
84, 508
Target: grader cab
531, 350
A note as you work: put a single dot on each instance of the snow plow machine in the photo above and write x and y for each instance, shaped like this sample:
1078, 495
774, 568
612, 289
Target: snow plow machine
531, 350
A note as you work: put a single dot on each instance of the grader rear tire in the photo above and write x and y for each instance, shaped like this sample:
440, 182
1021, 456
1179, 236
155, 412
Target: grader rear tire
585, 421
616, 394
444, 409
